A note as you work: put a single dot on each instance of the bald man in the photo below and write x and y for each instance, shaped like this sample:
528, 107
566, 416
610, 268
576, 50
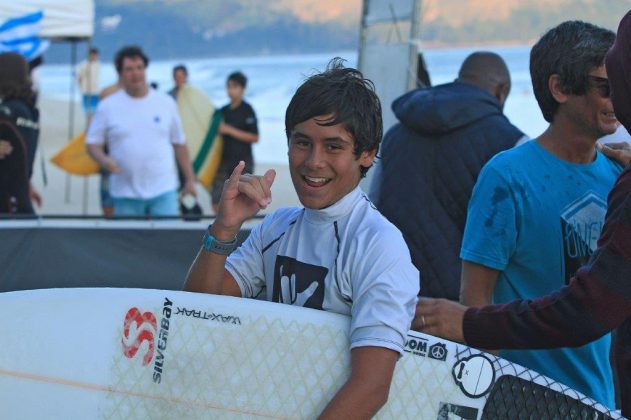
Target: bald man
431, 159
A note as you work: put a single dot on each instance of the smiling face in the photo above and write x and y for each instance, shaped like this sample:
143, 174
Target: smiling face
322, 162
593, 111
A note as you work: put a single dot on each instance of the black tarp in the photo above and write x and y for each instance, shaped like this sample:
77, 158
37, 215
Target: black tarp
152, 255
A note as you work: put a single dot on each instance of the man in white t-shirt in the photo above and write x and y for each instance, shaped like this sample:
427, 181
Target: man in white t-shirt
143, 131
337, 253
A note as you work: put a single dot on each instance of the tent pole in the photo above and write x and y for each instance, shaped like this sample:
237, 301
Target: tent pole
73, 77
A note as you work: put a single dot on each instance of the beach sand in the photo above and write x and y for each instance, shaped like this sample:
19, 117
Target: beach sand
65, 194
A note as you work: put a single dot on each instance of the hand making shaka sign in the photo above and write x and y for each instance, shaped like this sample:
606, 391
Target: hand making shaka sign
243, 196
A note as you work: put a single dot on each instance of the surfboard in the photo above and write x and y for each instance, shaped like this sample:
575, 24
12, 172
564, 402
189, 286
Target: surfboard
154, 354
74, 158
200, 122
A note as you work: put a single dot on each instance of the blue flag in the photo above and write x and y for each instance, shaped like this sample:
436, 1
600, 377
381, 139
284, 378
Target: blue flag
20, 35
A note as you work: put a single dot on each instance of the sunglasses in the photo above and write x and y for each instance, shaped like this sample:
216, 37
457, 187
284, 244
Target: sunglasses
601, 84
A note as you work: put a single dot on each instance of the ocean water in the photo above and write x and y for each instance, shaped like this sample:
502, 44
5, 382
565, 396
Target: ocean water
272, 80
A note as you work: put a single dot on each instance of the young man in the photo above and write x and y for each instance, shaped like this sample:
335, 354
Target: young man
88, 79
537, 210
143, 132
239, 131
337, 253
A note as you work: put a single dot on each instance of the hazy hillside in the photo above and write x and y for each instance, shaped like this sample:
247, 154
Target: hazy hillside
202, 28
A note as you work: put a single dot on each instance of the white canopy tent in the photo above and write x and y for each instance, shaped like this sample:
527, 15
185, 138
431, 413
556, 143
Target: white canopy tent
63, 19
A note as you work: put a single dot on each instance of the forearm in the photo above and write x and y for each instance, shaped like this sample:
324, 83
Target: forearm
97, 152
184, 161
207, 273
356, 401
242, 135
367, 389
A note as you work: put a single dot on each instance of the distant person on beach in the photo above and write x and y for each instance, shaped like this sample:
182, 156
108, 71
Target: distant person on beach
337, 253
598, 297
445, 136
537, 210
19, 132
180, 78
143, 133
88, 79
239, 130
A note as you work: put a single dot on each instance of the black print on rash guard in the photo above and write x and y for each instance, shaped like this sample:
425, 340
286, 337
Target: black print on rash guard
298, 283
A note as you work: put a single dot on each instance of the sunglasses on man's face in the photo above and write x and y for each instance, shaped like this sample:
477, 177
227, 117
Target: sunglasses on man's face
601, 84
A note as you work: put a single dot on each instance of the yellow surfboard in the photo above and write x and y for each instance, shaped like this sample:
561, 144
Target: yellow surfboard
74, 158
201, 122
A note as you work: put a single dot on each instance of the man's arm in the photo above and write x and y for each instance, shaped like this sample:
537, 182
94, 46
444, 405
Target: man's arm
477, 284
97, 152
242, 198
184, 161
367, 389
242, 135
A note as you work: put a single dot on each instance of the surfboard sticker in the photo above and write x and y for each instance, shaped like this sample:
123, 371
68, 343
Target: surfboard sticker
138, 354
474, 375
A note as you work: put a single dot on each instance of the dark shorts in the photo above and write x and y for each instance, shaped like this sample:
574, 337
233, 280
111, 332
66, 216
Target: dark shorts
222, 174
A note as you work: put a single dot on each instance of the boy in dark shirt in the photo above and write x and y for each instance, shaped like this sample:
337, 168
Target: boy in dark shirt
239, 131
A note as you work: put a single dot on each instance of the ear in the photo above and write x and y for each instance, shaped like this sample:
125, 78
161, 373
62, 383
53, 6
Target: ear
501, 92
556, 89
367, 157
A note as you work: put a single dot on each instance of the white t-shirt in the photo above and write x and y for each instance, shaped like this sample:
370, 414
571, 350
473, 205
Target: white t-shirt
88, 76
140, 134
346, 258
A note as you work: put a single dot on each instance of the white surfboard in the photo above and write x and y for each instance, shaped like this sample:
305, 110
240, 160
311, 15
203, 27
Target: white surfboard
152, 354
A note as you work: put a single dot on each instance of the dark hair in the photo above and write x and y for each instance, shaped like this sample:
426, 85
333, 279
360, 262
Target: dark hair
14, 78
238, 78
93, 50
571, 50
131, 51
180, 67
345, 93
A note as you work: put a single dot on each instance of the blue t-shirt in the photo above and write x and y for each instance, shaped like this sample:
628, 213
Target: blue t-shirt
537, 218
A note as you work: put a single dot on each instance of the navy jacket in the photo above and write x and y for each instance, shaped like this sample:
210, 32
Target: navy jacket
429, 164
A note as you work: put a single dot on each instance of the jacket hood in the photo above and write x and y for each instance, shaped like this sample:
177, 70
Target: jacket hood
444, 108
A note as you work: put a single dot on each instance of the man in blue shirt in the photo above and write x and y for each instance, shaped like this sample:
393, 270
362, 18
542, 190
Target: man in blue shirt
537, 210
